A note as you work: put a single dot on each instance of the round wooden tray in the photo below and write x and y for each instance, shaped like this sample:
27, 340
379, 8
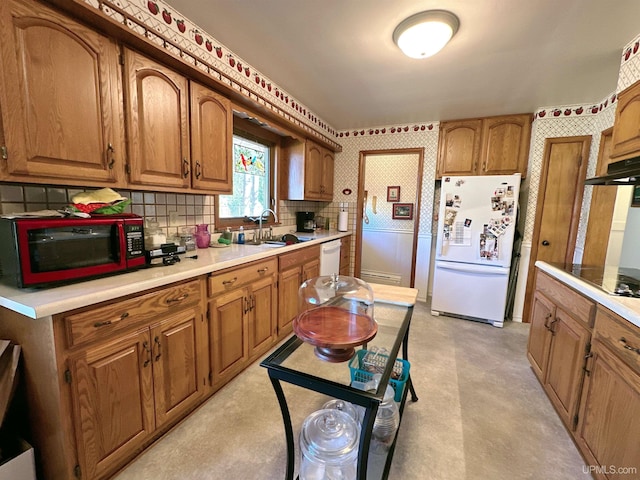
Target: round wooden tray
334, 331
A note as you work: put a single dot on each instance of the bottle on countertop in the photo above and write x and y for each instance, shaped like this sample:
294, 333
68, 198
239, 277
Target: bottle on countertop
241, 235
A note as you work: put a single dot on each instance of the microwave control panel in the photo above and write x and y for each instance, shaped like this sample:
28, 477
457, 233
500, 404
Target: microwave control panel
135, 240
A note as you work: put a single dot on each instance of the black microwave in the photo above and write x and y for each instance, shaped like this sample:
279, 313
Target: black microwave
46, 251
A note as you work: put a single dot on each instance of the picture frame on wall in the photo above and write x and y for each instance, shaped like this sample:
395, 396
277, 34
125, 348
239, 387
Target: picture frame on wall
402, 211
393, 194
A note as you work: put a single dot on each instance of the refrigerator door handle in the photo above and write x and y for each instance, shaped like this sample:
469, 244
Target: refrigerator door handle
473, 268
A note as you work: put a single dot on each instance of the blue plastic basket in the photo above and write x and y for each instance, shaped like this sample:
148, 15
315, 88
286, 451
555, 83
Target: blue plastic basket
360, 372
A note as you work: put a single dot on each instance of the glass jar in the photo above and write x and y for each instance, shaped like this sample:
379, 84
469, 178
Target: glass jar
386, 423
154, 236
187, 238
354, 411
329, 446
203, 237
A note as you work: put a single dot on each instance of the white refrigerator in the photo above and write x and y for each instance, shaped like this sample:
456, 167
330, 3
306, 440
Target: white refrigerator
476, 227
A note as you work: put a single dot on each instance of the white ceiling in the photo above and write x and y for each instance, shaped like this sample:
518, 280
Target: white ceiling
509, 56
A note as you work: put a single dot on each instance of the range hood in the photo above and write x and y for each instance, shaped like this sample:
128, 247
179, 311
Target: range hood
624, 172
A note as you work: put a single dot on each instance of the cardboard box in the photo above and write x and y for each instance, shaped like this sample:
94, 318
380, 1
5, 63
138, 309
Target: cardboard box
20, 467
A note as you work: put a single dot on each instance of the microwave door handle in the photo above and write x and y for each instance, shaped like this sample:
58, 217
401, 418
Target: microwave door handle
123, 245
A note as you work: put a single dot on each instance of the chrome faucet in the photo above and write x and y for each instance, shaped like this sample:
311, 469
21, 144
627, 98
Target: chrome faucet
259, 219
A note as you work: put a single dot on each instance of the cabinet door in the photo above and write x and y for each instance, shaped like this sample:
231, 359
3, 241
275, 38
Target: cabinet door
262, 320
459, 147
228, 334
626, 127
288, 285
610, 413
112, 395
542, 314
505, 145
157, 123
566, 359
345, 256
59, 91
313, 171
327, 174
310, 270
211, 140
179, 362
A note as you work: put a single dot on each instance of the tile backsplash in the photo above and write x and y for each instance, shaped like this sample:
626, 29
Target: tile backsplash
173, 211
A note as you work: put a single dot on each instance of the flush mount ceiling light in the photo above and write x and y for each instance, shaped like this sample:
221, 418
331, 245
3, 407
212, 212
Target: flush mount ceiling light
425, 33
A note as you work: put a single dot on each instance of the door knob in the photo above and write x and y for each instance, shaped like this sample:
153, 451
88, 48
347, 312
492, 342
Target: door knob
545, 243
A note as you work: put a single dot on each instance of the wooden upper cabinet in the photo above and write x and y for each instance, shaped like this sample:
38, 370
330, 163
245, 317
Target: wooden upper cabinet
485, 146
505, 145
211, 140
626, 126
306, 171
157, 115
60, 97
459, 147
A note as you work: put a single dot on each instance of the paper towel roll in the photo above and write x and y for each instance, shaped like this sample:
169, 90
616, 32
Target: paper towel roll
343, 221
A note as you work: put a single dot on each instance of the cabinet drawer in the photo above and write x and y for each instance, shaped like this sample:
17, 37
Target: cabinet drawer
299, 256
226, 280
620, 335
580, 307
100, 322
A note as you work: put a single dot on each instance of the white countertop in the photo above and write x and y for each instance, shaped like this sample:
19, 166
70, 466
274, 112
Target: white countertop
38, 303
626, 307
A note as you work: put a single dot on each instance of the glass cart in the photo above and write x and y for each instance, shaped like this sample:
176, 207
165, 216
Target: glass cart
295, 362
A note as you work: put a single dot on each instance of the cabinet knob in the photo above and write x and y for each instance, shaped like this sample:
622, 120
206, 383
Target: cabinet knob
545, 243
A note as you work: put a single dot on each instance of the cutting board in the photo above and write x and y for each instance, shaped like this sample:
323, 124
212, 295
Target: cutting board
394, 295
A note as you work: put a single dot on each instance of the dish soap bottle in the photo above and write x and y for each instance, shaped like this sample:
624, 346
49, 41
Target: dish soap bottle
241, 235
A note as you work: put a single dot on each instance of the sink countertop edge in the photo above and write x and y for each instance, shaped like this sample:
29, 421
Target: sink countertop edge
38, 303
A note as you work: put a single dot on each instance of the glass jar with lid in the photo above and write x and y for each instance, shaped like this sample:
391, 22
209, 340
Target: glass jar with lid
329, 446
335, 315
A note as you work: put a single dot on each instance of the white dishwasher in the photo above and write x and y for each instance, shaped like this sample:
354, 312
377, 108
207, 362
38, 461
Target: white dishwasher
330, 257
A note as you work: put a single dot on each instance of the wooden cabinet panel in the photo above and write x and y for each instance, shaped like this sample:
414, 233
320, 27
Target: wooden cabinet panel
542, 313
288, 285
610, 414
459, 147
298, 257
262, 321
49, 66
626, 126
228, 335
157, 100
306, 171
484, 146
211, 140
178, 364
233, 278
310, 270
582, 308
345, 256
113, 401
566, 358
505, 145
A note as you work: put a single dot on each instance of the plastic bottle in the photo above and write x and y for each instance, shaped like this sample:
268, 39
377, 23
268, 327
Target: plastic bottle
241, 235
227, 234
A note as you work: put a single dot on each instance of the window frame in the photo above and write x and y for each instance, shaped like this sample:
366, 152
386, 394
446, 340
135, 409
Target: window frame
246, 129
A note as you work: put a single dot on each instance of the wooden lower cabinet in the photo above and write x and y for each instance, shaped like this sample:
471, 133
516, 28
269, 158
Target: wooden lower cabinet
242, 317
609, 423
295, 268
591, 374
345, 256
126, 388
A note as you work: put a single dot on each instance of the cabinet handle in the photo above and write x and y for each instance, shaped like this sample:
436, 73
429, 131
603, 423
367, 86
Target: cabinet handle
230, 282
145, 345
623, 342
587, 372
198, 170
546, 321
111, 322
178, 299
246, 304
253, 302
553, 332
263, 270
112, 160
156, 341
185, 170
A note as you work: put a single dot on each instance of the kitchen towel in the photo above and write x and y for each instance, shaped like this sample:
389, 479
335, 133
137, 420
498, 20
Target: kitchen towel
343, 221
